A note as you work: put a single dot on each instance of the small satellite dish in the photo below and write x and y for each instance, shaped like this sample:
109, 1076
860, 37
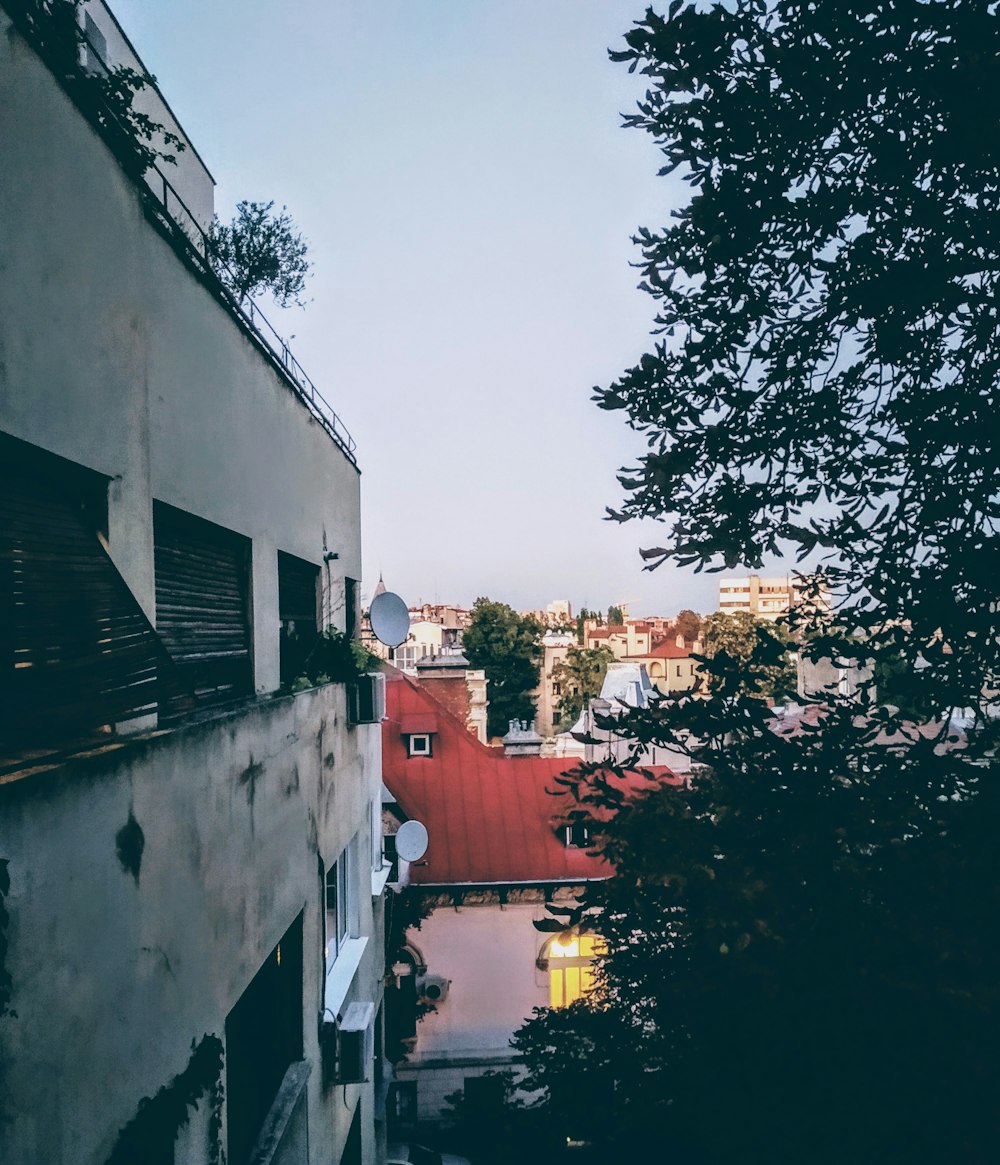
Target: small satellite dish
389, 618
411, 841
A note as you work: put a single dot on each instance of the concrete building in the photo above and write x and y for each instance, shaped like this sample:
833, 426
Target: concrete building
764, 598
555, 647
191, 860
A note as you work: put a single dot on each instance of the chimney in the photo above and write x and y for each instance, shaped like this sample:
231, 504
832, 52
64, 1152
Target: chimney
522, 739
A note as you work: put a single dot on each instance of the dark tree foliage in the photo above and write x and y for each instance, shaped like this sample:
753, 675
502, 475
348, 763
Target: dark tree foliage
260, 251
801, 961
507, 646
616, 616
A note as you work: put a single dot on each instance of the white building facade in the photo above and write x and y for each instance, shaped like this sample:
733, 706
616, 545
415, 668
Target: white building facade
191, 857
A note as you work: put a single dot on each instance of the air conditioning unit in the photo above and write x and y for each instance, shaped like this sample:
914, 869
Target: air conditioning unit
366, 699
356, 1043
433, 988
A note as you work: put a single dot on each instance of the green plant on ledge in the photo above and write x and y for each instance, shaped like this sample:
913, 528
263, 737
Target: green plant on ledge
335, 658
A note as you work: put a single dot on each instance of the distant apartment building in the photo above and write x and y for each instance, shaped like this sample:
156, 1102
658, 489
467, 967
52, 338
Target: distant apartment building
764, 598
634, 637
191, 865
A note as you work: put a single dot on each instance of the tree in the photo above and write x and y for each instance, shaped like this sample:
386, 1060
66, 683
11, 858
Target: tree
259, 251
580, 676
507, 646
616, 617
688, 624
800, 958
755, 651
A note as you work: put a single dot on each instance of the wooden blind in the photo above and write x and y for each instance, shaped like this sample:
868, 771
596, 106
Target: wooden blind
202, 607
77, 652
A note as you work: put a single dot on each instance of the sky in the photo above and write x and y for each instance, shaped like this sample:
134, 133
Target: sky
460, 172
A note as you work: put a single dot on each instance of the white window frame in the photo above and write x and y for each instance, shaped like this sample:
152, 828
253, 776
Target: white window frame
411, 744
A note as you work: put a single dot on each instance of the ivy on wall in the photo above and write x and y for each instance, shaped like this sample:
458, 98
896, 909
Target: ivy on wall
104, 95
161, 1117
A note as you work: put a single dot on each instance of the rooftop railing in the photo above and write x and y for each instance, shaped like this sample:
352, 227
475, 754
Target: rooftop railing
190, 234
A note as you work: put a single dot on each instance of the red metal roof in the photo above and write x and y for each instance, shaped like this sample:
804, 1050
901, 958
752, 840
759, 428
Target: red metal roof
490, 818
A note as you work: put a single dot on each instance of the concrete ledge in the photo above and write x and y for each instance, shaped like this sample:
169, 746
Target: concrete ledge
271, 1142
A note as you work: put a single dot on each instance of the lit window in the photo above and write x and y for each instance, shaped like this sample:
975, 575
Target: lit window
419, 744
570, 966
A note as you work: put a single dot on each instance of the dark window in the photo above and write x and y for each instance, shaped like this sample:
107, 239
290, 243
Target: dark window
419, 744
484, 1094
351, 607
263, 1037
556, 718
95, 47
297, 598
202, 607
403, 1104
577, 835
389, 852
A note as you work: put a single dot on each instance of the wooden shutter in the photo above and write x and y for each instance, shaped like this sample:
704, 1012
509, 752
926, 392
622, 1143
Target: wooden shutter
202, 608
77, 653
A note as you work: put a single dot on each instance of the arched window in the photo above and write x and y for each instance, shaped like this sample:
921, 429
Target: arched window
569, 960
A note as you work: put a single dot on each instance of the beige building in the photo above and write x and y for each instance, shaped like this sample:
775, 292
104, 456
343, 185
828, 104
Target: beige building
764, 598
555, 646
670, 665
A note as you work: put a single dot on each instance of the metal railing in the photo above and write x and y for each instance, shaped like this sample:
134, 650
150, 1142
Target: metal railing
190, 232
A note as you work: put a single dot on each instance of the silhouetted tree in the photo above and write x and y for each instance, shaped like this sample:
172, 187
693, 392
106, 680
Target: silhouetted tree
801, 960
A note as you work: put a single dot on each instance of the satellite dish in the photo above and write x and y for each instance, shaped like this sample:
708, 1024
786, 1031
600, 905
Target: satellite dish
411, 841
389, 618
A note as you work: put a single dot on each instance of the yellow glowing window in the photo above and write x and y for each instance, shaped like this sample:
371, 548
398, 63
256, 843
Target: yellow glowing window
571, 973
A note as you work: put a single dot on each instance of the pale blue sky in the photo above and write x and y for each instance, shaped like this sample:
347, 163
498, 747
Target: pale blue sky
459, 170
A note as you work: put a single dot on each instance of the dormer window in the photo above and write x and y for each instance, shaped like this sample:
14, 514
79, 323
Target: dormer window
419, 744
576, 835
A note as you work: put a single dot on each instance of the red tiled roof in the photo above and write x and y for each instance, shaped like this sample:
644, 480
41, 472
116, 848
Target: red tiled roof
668, 649
490, 818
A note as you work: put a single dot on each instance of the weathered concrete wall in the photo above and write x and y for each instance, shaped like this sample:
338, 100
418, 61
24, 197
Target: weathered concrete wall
120, 962
114, 356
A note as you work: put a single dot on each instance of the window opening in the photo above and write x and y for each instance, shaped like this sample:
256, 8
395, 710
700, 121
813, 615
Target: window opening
419, 744
263, 1037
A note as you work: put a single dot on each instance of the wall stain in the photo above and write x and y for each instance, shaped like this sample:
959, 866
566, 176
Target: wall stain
250, 776
130, 841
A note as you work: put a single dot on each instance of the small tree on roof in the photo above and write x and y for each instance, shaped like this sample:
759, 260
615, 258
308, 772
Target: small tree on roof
260, 251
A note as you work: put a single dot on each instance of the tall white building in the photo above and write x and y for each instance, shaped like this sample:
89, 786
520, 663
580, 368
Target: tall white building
190, 858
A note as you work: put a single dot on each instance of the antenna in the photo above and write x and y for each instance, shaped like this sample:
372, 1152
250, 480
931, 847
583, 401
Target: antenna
389, 618
411, 841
